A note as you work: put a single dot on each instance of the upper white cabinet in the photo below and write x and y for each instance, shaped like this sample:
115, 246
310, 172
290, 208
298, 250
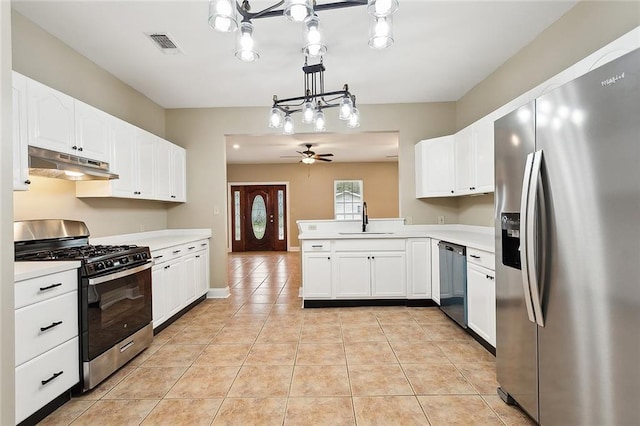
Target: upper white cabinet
435, 170
50, 118
474, 158
145, 163
465, 164
178, 173
170, 169
92, 132
20, 140
123, 159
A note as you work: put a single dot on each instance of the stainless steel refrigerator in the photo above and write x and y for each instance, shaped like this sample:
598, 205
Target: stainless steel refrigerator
567, 215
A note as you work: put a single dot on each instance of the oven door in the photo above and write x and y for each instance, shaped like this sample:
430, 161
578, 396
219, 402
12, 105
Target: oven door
113, 307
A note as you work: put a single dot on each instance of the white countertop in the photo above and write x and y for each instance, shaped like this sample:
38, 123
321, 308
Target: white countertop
481, 238
27, 270
157, 240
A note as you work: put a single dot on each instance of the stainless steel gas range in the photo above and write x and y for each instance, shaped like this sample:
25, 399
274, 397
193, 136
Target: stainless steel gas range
115, 318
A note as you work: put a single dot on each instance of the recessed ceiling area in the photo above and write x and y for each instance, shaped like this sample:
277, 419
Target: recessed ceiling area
346, 148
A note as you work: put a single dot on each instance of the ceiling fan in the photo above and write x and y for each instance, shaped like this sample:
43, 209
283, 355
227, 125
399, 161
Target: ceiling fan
310, 157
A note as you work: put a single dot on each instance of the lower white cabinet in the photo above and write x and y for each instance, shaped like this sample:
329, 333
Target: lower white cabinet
419, 267
435, 271
316, 275
481, 295
179, 276
46, 345
375, 274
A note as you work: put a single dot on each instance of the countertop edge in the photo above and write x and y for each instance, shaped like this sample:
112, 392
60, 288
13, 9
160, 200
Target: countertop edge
157, 240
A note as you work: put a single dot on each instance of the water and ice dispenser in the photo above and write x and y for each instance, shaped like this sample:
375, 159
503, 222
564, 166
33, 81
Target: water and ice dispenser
511, 239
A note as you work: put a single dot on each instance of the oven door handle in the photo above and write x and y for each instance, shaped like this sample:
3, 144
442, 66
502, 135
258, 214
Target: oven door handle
122, 274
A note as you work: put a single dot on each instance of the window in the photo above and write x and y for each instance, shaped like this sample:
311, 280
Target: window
347, 196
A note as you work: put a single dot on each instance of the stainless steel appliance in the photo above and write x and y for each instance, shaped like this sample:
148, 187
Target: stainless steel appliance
453, 281
115, 321
568, 250
47, 163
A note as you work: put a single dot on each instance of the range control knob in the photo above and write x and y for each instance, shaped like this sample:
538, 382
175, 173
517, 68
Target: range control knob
108, 263
137, 256
99, 266
124, 260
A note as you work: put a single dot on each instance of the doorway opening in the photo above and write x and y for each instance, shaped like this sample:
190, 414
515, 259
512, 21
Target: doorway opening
258, 217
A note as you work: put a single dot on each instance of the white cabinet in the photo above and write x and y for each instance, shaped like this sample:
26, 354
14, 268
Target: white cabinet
123, 161
435, 271
47, 348
92, 132
481, 294
180, 275
316, 275
50, 118
20, 139
145, 149
474, 158
435, 169
376, 274
170, 169
419, 264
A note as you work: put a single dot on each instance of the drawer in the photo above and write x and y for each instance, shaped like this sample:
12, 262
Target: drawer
367, 244
61, 362
482, 258
168, 253
195, 246
59, 318
316, 245
45, 287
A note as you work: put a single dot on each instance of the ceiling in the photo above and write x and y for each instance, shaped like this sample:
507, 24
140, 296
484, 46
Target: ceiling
442, 50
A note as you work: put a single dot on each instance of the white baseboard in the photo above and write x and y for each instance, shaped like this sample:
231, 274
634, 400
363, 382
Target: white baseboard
297, 248
218, 293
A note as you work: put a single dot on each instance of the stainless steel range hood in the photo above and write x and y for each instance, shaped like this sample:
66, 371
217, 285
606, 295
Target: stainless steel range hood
43, 162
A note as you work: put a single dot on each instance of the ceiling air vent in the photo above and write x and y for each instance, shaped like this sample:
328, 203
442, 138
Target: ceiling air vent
164, 43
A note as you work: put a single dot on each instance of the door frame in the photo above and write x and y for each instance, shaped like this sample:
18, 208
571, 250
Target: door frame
229, 219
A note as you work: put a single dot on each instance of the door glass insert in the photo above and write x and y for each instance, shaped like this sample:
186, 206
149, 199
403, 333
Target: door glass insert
236, 206
259, 217
280, 214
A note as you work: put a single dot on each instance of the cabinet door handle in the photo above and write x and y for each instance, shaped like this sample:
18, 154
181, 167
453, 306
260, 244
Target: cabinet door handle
167, 267
369, 257
80, 149
489, 277
452, 191
49, 287
191, 248
472, 188
158, 257
328, 257
27, 182
474, 256
203, 244
74, 147
53, 324
373, 257
44, 382
197, 256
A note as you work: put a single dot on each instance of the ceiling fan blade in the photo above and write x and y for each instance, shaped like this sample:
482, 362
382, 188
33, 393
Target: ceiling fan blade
301, 153
324, 159
324, 155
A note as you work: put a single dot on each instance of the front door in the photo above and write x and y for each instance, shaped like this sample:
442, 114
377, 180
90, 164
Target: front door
258, 218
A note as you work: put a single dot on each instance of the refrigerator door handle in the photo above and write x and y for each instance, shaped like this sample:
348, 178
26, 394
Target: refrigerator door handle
524, 237
534, 203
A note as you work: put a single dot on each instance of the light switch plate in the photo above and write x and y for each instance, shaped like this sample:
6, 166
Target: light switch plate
440, 220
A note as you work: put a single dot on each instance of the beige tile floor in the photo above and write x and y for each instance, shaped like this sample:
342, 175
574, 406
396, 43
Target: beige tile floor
258, 358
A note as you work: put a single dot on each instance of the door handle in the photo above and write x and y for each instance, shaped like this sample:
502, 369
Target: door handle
536, 202
524, 237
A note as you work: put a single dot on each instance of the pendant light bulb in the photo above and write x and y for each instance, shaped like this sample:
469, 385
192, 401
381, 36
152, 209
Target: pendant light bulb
319, 124
297, 10
275, 119
307, 112
381, 32
246, 51
222, 15
354, 120
287, 127
382, 8
346, 107
313, 38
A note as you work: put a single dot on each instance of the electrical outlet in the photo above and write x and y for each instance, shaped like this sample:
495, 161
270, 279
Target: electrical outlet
216, 210
440, 220
142, 227
408, 220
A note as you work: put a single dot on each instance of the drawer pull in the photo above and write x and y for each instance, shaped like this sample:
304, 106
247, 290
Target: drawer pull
167, 267
44, 382
127, 346
176, 251
158, 257
49, 287
203, 244
53, 324
474, 256
191, 248
198, 257
317, 246
489, 277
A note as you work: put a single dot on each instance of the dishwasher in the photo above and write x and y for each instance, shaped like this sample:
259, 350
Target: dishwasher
453, 281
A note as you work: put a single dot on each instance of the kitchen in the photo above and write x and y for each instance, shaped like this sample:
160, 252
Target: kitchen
570, 39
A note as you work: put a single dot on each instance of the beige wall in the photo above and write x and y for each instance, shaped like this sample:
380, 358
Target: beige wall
7, 338
311, 187
202, 132
587, 27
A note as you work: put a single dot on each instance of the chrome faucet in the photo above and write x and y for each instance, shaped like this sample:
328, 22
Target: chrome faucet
365, 217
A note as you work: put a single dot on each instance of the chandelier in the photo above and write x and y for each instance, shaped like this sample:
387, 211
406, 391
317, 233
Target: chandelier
231, 15
313, 103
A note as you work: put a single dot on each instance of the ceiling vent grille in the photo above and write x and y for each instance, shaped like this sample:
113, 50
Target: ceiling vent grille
164, 43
